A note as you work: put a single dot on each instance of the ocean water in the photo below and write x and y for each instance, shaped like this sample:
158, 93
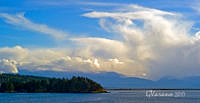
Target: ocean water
115, 96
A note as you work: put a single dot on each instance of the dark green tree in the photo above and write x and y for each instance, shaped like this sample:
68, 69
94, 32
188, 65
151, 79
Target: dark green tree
7, 87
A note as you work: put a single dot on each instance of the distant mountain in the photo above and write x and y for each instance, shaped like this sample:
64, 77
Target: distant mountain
188, 82
114, 80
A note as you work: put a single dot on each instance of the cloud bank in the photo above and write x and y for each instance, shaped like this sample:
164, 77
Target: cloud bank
15, 58
153, 44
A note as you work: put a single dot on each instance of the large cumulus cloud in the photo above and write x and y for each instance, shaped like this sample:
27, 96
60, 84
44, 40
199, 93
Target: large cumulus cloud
159, 42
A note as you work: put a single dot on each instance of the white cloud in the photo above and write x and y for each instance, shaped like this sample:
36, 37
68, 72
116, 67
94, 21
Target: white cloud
51, 59
20, 20
159, 42
154, 44
111, 48
8, 66
130, 12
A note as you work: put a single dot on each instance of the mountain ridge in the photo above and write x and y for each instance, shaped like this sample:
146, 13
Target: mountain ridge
115, 80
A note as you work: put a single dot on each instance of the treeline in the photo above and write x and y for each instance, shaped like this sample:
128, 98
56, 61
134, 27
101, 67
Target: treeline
33, 84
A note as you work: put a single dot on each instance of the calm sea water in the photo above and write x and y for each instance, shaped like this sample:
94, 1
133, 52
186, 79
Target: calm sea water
126, 96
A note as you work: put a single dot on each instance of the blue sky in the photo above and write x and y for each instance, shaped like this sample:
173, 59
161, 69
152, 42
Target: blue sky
143, 38
66, 15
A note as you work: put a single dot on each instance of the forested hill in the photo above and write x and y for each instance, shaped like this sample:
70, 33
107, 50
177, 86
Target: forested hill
34, 84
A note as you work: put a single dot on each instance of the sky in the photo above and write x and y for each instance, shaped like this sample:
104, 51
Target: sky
137, 38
